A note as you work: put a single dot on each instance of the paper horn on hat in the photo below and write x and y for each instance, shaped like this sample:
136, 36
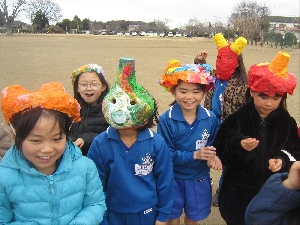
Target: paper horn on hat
272, 78
236, 46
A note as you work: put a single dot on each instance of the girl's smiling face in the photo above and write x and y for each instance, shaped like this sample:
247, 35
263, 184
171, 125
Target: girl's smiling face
188, 95
90, 87
265, 104
44, 145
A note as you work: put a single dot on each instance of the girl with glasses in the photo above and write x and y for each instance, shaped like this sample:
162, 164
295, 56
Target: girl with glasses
90, 87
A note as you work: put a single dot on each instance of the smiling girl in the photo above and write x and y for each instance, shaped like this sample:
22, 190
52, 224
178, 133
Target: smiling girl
44, 177
90, 87
189, 130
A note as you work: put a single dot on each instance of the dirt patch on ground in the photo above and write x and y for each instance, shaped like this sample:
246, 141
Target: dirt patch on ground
31, 60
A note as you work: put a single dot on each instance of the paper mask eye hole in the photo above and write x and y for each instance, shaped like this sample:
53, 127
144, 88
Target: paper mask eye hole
114, 101
132, 102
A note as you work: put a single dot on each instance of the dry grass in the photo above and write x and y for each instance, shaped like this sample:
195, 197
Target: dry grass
31, 60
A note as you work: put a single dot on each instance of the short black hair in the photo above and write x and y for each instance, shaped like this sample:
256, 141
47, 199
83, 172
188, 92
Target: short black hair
282, 103
23, 122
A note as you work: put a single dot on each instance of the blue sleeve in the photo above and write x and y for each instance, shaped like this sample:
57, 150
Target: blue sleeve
6, 214
215, 124
95, 155
273, 202
94, 199
163, 171
178, 157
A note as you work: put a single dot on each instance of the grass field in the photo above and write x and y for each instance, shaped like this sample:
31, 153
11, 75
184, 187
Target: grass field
31, 60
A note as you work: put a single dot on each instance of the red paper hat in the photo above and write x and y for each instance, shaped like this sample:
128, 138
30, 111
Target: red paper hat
50, 96
272, 78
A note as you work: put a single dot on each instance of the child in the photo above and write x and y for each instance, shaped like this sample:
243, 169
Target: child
133, 162
258, 139
90, 87
44, 177
231, 82
5, 140
278, 202
189, 130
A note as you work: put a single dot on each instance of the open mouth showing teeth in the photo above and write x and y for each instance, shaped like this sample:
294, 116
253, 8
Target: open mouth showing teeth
45, 157
89, 95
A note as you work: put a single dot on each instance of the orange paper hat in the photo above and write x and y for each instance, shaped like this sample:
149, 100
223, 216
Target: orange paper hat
50, 96
272, 78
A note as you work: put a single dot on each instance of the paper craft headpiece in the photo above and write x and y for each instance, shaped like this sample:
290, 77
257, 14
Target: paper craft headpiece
272, 78
51, 95
86, 68
127, 104
192, 73
228, 53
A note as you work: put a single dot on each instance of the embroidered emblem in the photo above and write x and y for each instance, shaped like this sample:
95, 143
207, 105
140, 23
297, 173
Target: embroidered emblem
145, 168
202, 143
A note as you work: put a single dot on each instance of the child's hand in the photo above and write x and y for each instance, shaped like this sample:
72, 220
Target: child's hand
79, 142
293, 180
202, 55
215, 163
275, 164
205, 153
249, 143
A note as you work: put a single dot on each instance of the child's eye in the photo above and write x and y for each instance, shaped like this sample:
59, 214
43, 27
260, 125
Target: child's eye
58, 139
35, 141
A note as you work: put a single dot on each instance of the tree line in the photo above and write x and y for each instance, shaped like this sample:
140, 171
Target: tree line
248, 19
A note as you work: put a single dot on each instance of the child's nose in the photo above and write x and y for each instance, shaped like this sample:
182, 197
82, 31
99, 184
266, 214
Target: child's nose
47, 148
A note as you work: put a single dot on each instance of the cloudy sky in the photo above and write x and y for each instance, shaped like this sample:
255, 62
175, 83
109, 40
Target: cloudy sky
177, 12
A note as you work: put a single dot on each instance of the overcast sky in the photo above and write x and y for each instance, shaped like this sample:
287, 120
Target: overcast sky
178, 12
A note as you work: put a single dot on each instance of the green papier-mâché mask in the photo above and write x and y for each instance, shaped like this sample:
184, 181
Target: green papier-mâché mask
127, 104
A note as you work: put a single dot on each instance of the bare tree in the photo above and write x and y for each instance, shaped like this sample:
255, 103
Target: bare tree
11, 9
51, 10
246, 19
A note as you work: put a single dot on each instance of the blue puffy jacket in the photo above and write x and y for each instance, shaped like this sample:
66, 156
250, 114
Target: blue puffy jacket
274, 204
72, 195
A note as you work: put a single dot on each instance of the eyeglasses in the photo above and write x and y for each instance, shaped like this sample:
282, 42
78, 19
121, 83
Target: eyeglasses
84, 86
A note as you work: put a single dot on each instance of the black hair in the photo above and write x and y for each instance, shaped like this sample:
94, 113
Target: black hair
23, 122
78, 97
240, 72
201, 87
282, 103
153, 120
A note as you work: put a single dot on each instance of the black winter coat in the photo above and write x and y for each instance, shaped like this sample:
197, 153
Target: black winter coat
246, 171
92, 123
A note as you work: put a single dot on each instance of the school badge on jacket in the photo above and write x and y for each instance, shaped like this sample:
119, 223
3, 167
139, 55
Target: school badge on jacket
202, 143
145, 168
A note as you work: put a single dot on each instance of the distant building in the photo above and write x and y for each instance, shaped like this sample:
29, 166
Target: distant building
285, 24
18, 26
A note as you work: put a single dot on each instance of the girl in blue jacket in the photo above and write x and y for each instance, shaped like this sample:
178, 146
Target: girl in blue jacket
44, 177
189, 130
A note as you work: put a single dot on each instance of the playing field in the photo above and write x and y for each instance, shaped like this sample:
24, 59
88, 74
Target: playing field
31, 60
